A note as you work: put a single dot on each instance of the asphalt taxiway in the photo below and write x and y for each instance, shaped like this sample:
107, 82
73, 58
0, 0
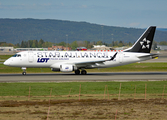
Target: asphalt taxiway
71, 77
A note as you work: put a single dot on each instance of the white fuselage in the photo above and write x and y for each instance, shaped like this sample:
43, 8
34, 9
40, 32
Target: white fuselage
79, 59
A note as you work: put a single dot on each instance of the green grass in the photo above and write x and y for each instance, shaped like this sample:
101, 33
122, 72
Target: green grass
5, 56
43, 89
135, 67
7, 69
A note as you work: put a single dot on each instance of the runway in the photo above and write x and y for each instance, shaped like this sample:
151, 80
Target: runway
90, 77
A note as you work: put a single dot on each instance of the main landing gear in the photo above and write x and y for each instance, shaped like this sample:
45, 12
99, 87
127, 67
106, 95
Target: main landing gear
83, 72
24, 70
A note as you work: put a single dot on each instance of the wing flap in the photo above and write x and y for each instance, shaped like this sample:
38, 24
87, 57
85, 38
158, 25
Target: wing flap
89, 62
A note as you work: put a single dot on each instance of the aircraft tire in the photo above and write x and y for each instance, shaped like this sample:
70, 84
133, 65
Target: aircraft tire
77, 72
23, 73
83, 72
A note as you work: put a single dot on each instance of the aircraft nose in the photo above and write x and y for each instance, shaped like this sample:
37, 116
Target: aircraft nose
7, 62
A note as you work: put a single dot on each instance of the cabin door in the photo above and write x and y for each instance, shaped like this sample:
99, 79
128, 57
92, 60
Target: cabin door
120, 57
30, 57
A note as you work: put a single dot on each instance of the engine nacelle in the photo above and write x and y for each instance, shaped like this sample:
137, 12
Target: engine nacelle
66, 68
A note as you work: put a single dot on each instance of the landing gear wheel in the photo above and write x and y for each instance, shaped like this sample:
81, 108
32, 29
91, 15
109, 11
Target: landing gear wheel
24, 70
77, 72
23, 73
83, 72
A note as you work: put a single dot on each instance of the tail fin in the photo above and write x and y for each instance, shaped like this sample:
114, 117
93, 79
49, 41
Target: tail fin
144, 43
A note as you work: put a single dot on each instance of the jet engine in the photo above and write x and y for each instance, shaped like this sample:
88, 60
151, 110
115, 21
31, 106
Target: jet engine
66, 68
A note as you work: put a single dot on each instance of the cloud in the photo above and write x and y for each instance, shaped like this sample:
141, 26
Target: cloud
84, 6
46, 4
163, 26
62, 4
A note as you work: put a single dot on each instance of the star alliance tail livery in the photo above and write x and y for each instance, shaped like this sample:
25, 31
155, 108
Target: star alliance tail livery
78, 61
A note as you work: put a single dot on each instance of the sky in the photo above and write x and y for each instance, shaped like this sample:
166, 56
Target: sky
122, 13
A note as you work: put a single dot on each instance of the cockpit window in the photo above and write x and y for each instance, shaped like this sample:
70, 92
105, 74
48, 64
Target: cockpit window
17, 55
14, 55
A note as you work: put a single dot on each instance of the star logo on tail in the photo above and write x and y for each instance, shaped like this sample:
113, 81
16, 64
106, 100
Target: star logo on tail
145, 43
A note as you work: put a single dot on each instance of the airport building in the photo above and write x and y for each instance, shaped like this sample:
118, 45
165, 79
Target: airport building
30, 49
6, 49
81, 49
101, 47
162, 47
59, 48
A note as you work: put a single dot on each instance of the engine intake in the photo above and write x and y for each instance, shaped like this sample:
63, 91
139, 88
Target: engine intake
66, 68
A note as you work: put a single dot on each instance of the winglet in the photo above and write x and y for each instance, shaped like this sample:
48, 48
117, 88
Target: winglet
112, 58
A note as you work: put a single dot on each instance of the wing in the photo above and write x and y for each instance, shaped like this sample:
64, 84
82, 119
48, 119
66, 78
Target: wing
89, 63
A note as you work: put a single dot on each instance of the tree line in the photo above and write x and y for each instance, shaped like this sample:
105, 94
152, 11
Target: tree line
42, 44
45, 44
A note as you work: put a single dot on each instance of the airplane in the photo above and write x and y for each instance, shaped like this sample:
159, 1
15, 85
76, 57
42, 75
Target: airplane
78, 61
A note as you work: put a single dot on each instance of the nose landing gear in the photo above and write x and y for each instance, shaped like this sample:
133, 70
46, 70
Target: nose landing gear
24, 70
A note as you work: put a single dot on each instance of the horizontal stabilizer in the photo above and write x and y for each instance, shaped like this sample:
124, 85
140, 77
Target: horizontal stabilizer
149, 55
